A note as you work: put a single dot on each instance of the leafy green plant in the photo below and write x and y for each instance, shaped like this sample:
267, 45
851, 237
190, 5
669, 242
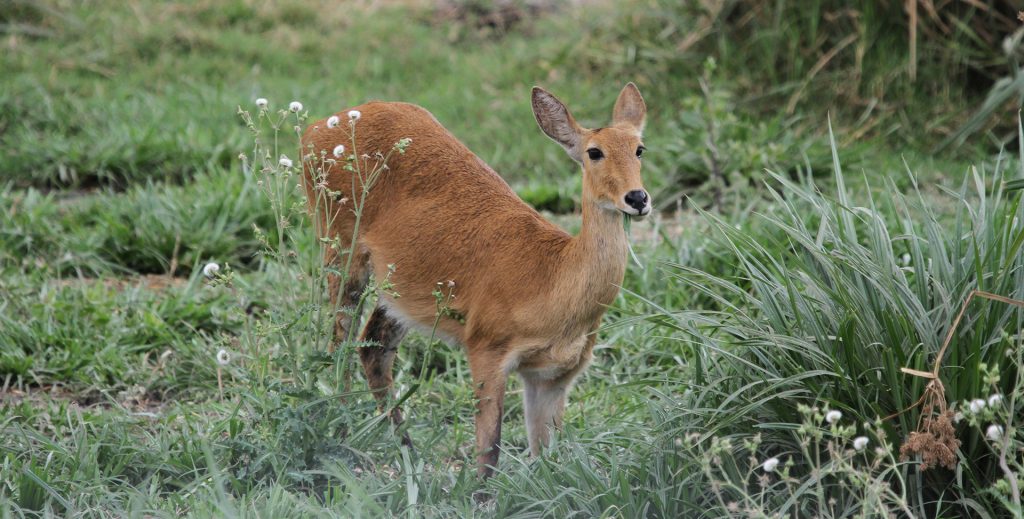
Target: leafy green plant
712, 149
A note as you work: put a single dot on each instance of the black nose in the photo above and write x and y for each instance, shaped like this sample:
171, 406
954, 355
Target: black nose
637, 199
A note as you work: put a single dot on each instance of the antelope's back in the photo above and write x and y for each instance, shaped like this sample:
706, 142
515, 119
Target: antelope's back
437, 213
435, 165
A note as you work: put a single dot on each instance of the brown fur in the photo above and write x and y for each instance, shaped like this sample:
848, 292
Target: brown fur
530, 296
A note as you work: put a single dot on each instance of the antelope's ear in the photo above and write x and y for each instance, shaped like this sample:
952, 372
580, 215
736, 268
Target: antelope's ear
630, 109
556, 122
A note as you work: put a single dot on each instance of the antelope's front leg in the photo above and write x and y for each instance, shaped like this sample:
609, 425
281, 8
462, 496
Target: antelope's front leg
544, 405
544, 398
489, 377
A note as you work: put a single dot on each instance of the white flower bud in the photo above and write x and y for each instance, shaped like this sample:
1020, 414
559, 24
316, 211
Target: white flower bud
223, 357
339, 150
354, 115
860, 442
262, 103
285, 162
833, 416
211, 269
977, 405
332, 121
770, 464
994, 432
295, 106
995, 400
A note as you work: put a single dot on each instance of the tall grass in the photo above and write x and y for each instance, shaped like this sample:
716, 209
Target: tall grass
844, 290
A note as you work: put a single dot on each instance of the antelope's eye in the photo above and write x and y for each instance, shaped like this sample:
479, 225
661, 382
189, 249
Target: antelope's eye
640, 151
595, 154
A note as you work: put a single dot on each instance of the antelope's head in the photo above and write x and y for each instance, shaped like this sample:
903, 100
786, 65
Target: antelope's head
610, 156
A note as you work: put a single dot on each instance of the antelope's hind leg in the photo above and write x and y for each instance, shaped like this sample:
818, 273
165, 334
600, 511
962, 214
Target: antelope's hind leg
378, 360
344, 299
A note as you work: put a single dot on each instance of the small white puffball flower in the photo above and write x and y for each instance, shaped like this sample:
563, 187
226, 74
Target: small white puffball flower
994, 432
995, 400
262, 103
905, 259
860, 442
295, 106
977, 405
354, 115
339, 150
211, 269
285, 161
223, 357
833, 416
332, 121
770, 464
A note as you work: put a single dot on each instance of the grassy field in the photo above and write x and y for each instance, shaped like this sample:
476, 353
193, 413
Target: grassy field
814, 239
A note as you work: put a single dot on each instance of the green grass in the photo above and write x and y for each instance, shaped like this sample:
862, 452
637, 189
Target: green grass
809, 277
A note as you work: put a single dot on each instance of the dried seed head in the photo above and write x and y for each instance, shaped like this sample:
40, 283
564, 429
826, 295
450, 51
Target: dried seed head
935, 442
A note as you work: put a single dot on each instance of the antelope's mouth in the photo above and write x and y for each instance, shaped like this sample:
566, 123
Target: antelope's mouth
637, 213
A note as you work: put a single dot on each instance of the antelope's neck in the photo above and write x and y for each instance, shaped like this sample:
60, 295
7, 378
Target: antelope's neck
596, 259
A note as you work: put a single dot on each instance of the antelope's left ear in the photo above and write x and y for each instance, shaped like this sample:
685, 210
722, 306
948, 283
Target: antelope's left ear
630, 108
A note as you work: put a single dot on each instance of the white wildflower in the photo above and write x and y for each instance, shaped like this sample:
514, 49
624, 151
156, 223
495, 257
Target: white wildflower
977, 405
860, 443
905, 259
339, 150
285, 162
833, 416
354, 115
332, 121
994, 432
223, 357
295, 106
995, 400
770, 464
262, 103
211, 269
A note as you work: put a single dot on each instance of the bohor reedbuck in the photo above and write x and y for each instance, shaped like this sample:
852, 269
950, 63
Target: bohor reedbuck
527, 297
